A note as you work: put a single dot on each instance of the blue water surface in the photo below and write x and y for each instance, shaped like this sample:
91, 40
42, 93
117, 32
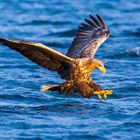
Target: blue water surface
27, 113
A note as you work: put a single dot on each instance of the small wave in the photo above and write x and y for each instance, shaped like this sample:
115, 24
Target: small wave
67, 33
126, 125
132, 33
45, 22
40, 22
135, 52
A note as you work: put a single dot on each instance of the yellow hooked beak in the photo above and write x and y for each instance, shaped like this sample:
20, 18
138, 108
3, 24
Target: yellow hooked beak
102, 69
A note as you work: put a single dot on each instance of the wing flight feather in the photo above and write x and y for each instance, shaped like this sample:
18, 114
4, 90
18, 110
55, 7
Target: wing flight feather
38, 53
88, 38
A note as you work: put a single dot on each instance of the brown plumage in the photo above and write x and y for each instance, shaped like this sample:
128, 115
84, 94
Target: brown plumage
77, 65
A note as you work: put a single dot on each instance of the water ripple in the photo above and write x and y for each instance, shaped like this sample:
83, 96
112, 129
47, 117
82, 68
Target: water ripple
27, 113
132, 53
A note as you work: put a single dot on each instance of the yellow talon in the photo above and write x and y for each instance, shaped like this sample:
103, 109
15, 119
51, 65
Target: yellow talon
100, 97
104, 93
105, 96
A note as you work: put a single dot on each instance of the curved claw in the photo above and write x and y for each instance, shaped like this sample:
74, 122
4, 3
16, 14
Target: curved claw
104, 93
105, 96
99, 96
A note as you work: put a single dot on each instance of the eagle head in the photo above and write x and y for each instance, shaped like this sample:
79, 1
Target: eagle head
100, 65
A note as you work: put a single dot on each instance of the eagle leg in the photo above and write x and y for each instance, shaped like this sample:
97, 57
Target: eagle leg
95, 86
84, 89
99, 91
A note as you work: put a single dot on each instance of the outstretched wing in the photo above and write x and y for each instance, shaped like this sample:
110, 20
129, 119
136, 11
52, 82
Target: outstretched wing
88, 38
38, 53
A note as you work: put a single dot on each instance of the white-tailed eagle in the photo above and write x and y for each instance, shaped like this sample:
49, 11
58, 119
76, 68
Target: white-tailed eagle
79, 62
